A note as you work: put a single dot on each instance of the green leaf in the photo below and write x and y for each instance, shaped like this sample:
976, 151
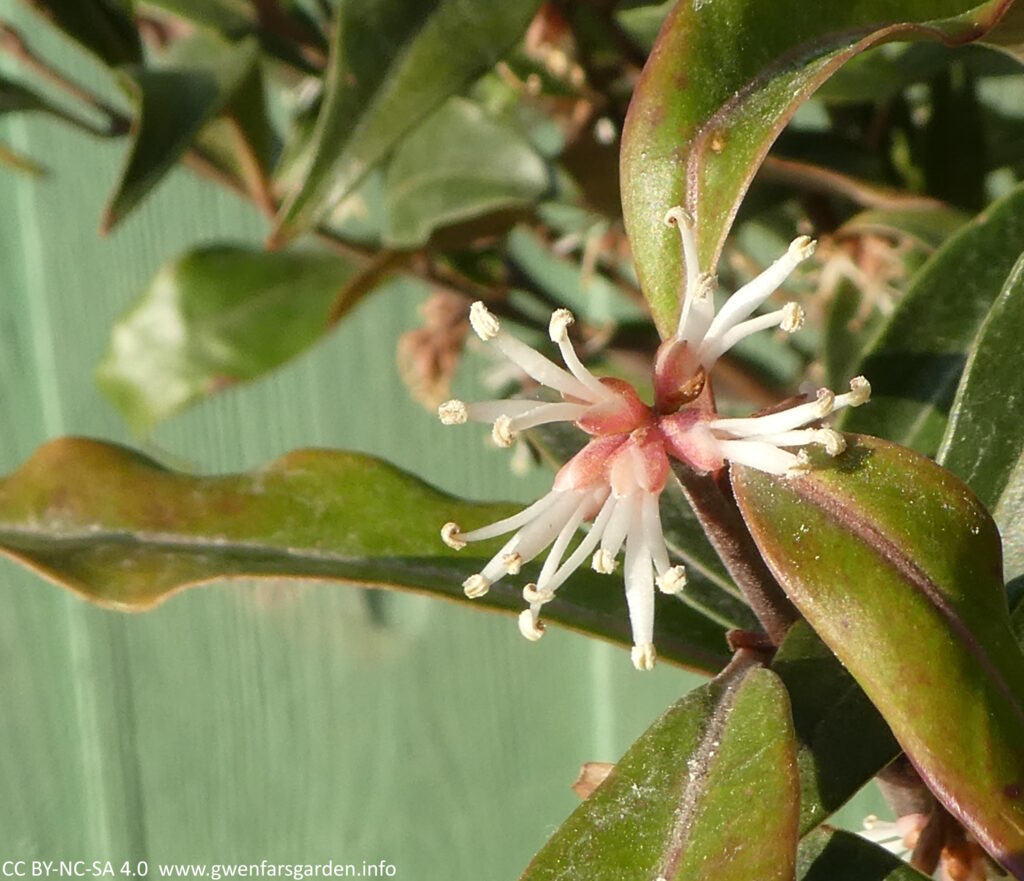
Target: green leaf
103, 27
232, 18
896, 565
393, 62
122, 531
834, 855
915, 364
174, 102
213, 317
844, 741
708, 793
721, 82
984, 444
459, 164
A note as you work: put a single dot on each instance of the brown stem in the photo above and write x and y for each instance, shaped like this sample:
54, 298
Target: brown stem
710, 496
13, 43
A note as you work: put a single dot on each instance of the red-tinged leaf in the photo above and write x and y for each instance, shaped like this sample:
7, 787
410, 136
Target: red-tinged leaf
897, 566
123, 532
721, 82
708, 793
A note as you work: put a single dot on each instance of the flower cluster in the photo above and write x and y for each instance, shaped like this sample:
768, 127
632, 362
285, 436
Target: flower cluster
615, 482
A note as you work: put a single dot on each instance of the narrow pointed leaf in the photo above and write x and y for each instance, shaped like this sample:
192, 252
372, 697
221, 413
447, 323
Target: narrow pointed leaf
393, 62
174, 102
835, 855
721, 82
459, 164
984, 444
708, 793
915, 364
12, 159
103, 27
844, 741
122, 531
896, 565
214, 317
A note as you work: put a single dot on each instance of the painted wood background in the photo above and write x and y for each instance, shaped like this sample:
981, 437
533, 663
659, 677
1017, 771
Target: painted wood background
242, 722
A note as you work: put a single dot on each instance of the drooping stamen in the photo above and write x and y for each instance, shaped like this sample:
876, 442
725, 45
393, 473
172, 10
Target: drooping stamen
789, 318
558, 330
450, 536
558, 549
743, 303
583, 551
530, 361
639, 578
613, 537
508, 524
671, 579
530, 626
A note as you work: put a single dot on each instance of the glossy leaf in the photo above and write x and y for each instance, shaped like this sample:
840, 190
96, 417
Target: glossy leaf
122, 531
844, 742
721, 82
834, 855
708, 793
915, 365
459, 164
896, 565
174, 103
103, 27
213, 317
984, 444
393, 63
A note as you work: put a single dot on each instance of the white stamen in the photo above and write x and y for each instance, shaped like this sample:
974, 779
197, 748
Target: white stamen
484, 323
502, 433
682, 221
530, 626
773, 423
476, 586
585, 547
859, 393
558, 330
537, 597
514, 522
639, 576
673, 581
833, 442
453, 413
650, 520
546, 372
758, 454
743, 303
488, 411
789, 318
450, 536
546, 413
603, 562
513, 563
554, 557
792, 317
614, 535
802, 465
643, 656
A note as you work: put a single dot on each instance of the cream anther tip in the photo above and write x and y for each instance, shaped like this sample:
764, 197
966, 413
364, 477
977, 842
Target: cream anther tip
476, 586
802, 247
677, 217
673, 581
833, 442
450, 536
860, 391
792, 317
603, 562
532, 595
513, 563
825, 403
705, 287
643, 656
558, 327
484, 323
453, 412
802, 465
502, 432
530, 626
